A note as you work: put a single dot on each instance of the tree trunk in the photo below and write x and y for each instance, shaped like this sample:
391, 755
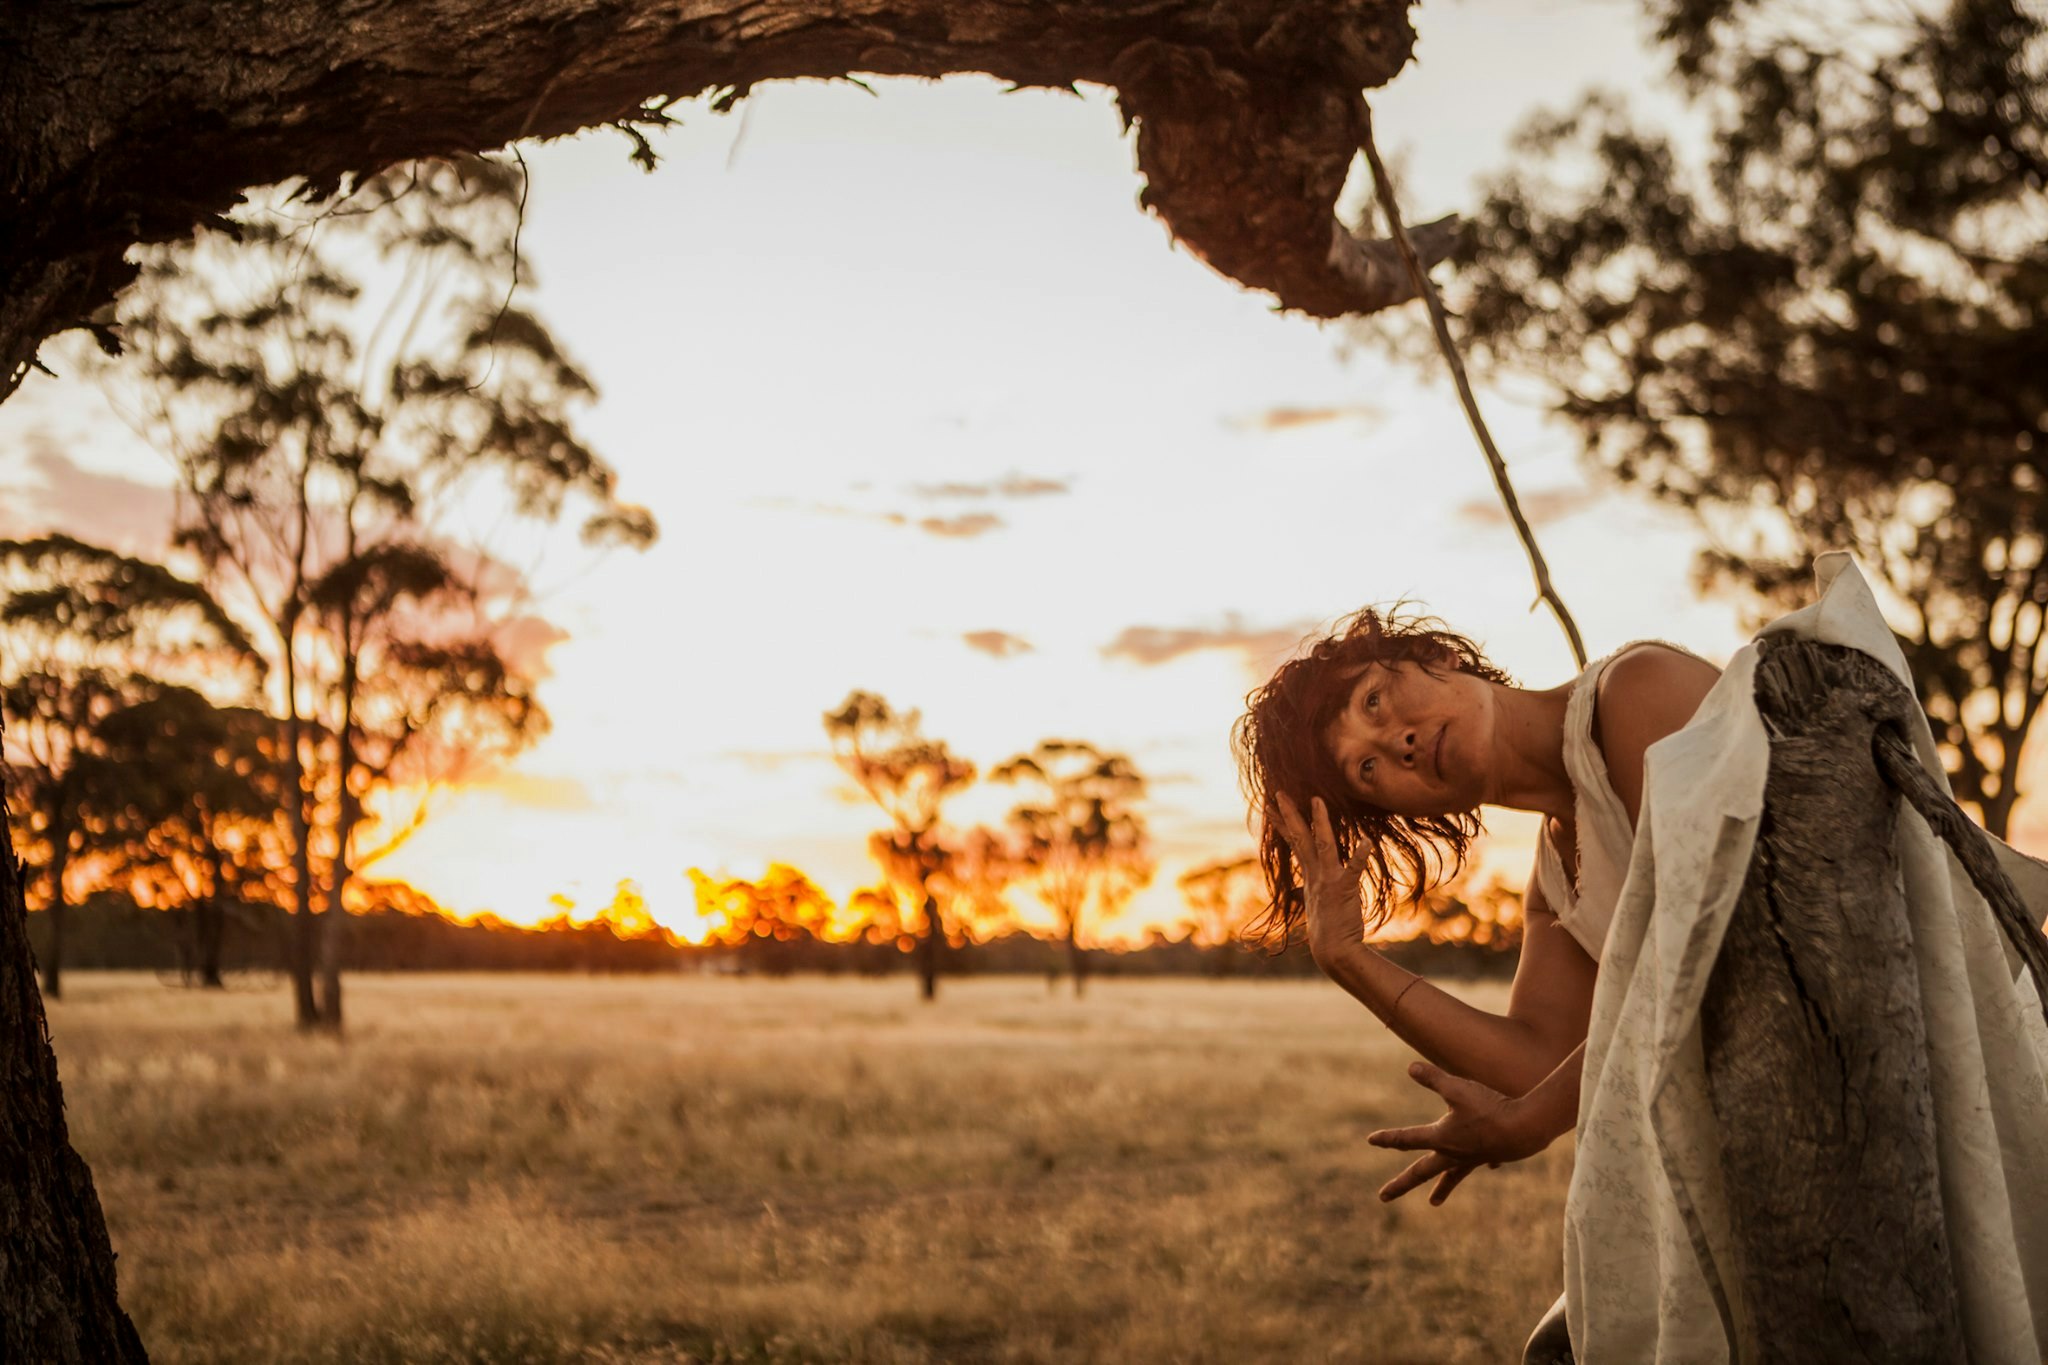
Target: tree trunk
1815, 1043
134, 122
334, 924
933, 944
57, 1292
208, 929
1997, 811
1076, 963
303, 956
60, 862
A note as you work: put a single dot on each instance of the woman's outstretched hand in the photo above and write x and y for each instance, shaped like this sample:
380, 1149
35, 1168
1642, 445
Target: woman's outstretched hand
1481, 1128
1335, 911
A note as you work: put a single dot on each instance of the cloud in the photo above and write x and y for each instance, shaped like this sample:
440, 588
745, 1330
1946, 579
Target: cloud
1009, 486
775, 760
113, 510
1260, 646
964, 527
1294, 418
1541, 507
555, 793
997, 644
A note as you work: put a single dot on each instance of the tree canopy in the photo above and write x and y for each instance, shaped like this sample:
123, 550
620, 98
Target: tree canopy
1825, 332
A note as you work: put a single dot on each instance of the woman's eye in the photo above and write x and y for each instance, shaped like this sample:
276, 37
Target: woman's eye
1372, 700
1365, 770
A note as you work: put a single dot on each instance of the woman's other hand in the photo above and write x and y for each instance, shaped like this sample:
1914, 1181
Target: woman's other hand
1332, 904
1482, 1127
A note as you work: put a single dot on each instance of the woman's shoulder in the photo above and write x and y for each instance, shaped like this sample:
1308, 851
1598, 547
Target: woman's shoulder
1641, 669
1655, 682
1646, 692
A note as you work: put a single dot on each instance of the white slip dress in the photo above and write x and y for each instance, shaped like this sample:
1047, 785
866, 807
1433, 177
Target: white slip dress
1584, 905
1647, 1244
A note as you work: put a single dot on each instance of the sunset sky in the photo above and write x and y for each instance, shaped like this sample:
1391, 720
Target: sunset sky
927, 405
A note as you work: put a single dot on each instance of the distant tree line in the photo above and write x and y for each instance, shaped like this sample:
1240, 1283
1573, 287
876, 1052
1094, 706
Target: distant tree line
108, 931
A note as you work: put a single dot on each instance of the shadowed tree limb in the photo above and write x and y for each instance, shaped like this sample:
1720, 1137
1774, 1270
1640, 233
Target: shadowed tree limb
133, 123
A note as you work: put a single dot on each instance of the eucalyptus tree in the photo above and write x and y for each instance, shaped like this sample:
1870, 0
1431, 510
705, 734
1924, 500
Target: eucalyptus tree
910, 777
192, 820
1224, 897
343, 398
85, 634
1825, 332
1080, 833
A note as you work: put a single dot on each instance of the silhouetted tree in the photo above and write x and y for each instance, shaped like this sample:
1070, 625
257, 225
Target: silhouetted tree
977, 867
1082, 837
195, 822
767, 922
909, 777
85, 634
1222, 898
329, 439
1827, 333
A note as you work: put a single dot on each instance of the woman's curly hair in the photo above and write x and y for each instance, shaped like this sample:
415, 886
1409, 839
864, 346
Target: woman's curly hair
1280, 748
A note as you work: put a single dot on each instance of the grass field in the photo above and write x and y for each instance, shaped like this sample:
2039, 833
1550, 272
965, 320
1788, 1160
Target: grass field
501, 1168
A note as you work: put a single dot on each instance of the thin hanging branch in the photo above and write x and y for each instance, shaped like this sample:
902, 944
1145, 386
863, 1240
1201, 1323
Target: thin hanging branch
1427, 289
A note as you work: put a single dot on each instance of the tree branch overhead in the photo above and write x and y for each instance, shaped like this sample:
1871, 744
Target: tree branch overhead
133, 124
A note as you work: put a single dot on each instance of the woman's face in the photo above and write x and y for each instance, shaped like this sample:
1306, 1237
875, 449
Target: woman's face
1415, 744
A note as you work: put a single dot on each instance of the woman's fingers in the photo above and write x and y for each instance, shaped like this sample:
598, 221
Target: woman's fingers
1326, 837
1447, 1182
1360, 859
1292, 828
1421, 1171
1457, 1092
1430, 1076
1405, 1139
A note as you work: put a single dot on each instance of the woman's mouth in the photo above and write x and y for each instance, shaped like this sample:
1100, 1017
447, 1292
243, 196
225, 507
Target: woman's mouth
1437, 754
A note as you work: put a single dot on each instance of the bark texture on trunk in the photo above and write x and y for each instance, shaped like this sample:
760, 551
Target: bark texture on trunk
1815, 1043
57, 1297
132, 122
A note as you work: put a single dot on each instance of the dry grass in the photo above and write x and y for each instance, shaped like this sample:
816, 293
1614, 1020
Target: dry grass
695, 1169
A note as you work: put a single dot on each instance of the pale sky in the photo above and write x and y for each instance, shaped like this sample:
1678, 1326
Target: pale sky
895, 370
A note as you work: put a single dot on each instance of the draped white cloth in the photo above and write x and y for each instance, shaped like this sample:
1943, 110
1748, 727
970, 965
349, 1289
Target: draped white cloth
1646, 1231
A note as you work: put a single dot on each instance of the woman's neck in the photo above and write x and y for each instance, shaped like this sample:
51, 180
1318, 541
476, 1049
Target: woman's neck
1528, 768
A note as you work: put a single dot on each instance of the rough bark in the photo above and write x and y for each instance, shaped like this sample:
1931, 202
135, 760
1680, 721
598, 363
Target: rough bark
57, 1296
1815, 1043
132, 122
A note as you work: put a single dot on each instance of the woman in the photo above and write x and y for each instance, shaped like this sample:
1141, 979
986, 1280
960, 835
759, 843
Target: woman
1371, 756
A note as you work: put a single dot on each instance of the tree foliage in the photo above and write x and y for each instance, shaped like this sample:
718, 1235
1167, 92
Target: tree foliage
91, 641
1080, 833
910, 777
1825, 332
344, 397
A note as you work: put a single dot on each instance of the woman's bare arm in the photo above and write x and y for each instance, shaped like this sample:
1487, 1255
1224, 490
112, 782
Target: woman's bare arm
1547, 1007
1644, 695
